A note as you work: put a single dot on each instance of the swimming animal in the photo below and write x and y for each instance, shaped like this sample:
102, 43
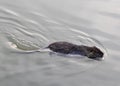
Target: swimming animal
69, 48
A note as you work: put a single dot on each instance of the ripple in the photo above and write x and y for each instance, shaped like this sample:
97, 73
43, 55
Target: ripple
17, 32
35, 32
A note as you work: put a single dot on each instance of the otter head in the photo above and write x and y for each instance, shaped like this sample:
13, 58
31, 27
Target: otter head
95, 53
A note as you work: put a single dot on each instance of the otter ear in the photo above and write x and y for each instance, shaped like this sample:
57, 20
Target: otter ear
94, 47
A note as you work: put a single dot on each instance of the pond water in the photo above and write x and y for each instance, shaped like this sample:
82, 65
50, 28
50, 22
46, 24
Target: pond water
27, 27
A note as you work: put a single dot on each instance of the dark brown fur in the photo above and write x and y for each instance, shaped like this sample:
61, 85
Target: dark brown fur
69, 48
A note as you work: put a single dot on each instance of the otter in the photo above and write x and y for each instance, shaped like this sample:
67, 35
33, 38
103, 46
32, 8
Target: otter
69, 48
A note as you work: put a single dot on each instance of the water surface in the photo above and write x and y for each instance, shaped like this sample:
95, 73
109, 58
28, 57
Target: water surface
27, 29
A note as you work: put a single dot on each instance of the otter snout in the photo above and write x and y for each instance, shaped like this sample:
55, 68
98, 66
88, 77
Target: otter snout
95, 53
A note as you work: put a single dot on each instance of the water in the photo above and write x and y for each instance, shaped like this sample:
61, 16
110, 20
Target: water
26, 29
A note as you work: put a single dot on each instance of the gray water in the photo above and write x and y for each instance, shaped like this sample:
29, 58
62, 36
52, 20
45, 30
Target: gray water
27, 27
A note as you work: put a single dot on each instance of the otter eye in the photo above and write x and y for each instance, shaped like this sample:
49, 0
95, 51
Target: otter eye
91, 51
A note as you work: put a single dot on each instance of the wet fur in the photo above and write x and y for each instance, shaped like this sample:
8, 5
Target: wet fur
69, 48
